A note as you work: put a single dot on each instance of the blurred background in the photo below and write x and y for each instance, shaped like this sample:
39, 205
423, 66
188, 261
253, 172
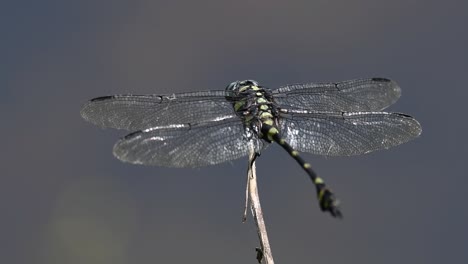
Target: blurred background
64, 198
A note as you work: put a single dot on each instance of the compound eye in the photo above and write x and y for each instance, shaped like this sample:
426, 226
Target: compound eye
249, 82
232, 86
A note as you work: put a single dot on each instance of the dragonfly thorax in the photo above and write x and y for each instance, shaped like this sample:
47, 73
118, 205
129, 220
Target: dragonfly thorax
254, 104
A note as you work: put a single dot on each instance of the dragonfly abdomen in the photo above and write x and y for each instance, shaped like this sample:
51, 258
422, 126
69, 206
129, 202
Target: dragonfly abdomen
326, 198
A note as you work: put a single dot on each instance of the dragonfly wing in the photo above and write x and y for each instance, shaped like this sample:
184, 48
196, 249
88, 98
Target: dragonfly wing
138, 112
346, 133
187, 145
349, 96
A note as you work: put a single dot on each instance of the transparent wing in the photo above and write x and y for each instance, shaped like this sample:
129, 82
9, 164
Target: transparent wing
349, 96
187, 145
346, 134
138, 112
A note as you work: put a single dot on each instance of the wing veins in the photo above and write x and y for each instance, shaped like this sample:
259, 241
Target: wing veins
354, 95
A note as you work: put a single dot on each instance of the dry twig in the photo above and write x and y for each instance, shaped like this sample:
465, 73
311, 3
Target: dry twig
264, 252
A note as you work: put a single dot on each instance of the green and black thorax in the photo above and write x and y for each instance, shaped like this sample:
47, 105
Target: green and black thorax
255, 105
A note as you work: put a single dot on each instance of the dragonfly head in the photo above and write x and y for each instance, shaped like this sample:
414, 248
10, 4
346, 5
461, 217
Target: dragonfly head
240, 86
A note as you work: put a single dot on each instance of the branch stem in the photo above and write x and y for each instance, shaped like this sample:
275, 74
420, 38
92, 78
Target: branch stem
264, 253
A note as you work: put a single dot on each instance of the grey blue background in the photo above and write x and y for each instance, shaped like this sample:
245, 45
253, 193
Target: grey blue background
65, 199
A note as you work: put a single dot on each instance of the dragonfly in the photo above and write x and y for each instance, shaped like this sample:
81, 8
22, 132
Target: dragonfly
195, 129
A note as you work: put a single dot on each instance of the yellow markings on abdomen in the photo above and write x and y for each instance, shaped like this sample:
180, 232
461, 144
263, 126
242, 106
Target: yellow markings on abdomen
271, 132
266, 115
268, 122
307, 166
318, 180
320, 194
294, 153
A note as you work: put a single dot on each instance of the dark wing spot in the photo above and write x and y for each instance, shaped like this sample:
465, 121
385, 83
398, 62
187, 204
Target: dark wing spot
380, 80
102, 98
